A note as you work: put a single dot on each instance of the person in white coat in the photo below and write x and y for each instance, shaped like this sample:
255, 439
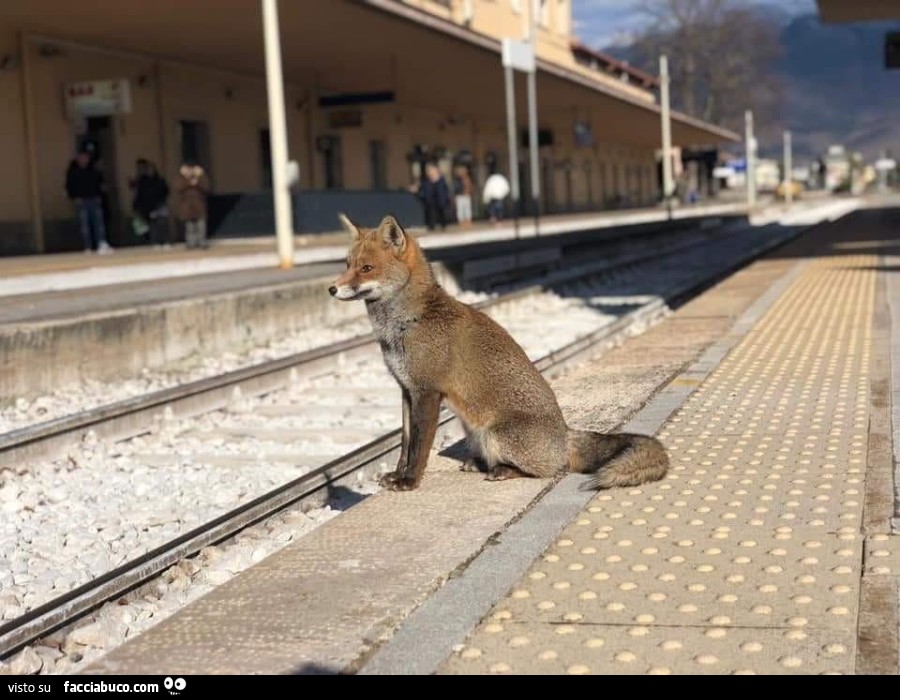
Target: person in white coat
496, 190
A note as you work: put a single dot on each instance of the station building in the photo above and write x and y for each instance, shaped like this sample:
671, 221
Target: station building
372, 87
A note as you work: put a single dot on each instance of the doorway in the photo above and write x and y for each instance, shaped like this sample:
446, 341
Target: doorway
333, 163
378, 165
194, 144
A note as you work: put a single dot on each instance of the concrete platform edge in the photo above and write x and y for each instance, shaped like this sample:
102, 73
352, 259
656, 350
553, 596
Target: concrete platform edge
879, 617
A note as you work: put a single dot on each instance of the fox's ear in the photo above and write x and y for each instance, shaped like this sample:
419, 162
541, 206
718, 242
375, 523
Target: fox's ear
350, 227
392, 234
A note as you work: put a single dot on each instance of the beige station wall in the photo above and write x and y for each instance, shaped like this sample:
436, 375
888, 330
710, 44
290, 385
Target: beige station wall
235, 110
162, 94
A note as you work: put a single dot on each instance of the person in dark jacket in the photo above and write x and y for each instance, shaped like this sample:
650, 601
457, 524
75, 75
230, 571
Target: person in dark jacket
151, 193
84, 186
435, 196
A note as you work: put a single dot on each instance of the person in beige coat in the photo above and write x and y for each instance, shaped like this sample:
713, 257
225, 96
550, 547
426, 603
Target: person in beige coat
192, 189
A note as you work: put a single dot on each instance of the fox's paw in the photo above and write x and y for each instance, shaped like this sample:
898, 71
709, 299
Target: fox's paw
398, 481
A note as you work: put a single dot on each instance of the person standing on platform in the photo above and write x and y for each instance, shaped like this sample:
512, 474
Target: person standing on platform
84, 186
496, 190
151, 193
463, 188
192, 189
435, 196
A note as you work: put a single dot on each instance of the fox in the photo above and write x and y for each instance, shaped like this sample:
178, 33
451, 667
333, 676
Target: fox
440, 349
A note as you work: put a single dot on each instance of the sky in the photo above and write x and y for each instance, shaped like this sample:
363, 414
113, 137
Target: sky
600, 23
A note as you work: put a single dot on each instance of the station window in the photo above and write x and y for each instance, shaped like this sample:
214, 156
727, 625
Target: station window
265, 158
333, 162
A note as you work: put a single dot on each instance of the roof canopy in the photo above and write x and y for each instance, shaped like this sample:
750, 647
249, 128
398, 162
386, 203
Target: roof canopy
858, 10
345, 46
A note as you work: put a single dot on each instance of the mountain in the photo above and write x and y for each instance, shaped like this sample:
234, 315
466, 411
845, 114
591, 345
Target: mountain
837, 89
835, 86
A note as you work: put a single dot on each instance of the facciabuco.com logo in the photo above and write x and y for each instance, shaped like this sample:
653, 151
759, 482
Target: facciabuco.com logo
104, 687
174, 685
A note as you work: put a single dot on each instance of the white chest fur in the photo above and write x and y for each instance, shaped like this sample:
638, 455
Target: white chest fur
390, 328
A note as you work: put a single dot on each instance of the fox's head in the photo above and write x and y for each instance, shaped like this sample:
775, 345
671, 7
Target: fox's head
380, 262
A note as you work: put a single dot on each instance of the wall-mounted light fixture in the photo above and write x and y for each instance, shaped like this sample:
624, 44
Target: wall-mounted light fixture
49, 51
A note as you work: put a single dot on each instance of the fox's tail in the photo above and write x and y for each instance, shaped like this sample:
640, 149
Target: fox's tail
617, 459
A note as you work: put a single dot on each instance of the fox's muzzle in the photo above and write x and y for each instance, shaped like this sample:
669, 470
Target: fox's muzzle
352, 292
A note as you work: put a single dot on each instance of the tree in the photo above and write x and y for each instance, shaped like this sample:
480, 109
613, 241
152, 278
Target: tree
722, 55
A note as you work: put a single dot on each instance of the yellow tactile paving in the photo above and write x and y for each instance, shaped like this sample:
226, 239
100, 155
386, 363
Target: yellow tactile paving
747, 558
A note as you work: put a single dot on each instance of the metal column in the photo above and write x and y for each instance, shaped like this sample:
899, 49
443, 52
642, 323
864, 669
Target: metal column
665, 112
751, 160
788, 168
510, 77
284, 225
534, 147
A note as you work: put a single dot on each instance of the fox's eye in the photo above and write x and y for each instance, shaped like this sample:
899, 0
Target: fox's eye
366, 268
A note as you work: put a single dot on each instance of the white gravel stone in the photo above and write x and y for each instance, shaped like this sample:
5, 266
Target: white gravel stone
217, 578
26, 663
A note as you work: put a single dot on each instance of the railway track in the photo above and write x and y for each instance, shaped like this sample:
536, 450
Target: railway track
129, 417
292, 413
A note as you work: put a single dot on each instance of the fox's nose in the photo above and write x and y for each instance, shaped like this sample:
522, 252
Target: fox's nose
332, 291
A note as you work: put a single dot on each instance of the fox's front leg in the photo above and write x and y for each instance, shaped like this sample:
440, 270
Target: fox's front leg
420, 419
389, 479
407, 426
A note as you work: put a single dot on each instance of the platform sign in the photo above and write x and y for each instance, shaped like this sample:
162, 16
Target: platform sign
892, 51
723, 172
518, 55
98, 98
886, 164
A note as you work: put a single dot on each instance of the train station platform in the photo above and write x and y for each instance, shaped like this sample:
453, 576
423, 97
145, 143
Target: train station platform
142, 309
36, 274
768, 548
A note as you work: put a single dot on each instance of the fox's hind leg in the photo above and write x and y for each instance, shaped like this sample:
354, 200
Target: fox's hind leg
535, 449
